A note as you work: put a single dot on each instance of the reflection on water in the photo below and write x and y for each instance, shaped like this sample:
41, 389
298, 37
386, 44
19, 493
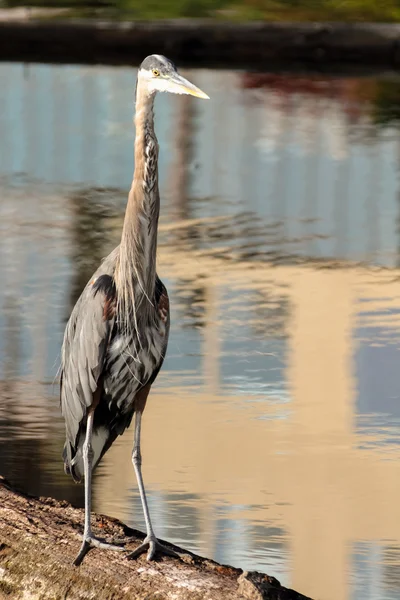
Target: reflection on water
271, 440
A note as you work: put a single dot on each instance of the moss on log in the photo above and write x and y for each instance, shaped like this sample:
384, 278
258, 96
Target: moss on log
39, 538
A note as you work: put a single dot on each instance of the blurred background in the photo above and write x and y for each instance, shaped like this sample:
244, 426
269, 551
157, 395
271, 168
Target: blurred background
272, 437
272, 10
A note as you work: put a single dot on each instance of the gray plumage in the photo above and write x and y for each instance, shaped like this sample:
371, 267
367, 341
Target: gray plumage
100, 355
116, 338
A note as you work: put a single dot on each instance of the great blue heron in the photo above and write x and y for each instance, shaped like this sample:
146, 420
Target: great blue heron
116, 338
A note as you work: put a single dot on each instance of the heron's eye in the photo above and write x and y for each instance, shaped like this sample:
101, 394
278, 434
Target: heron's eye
156, 72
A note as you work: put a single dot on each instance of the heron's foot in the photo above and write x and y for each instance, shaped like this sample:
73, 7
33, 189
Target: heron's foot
152, 546
92, 542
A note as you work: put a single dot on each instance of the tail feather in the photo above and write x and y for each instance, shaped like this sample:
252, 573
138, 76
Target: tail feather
107, 427
73, 457
69, 459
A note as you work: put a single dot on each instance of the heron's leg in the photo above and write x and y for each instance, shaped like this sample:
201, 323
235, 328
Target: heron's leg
150, 545
89, 540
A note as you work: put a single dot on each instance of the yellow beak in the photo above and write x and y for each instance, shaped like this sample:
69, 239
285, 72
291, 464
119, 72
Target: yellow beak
179, 85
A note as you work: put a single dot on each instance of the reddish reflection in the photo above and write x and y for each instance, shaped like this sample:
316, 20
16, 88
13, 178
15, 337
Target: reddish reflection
356, 95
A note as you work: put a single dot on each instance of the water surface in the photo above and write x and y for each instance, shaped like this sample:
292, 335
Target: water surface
271, 439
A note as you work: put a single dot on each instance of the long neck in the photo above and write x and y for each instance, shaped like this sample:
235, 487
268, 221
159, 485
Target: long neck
136, 271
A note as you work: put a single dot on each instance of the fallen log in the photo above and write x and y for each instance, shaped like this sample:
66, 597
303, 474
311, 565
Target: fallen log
39, 538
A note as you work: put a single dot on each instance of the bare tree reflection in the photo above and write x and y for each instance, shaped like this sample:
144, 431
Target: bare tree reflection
272, 311
92, 233
391, 570
190, 297
183, 151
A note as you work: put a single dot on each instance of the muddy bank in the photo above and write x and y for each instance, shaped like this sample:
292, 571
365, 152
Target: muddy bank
25, 36
39, 539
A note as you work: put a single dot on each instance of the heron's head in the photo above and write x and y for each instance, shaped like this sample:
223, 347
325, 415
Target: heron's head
158, 74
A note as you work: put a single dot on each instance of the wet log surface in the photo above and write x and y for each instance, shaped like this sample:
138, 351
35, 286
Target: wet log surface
39, 538
195, 42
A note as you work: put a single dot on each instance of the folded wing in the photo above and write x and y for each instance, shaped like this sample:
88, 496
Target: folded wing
86, 339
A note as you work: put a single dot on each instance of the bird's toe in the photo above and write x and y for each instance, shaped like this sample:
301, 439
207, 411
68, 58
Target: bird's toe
93, 542
153, 547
